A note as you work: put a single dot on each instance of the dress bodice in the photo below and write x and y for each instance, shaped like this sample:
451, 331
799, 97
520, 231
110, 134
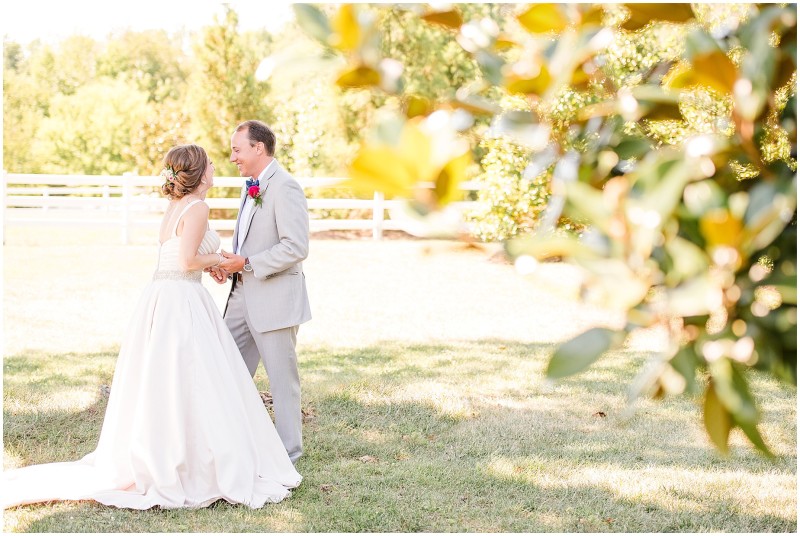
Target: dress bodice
168, 255
168, 267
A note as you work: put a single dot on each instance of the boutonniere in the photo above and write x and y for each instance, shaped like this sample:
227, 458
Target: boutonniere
254, 192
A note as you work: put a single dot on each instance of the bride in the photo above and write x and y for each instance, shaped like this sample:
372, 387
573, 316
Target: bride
184, 425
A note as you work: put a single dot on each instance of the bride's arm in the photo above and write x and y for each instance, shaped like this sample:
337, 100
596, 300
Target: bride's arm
195, 223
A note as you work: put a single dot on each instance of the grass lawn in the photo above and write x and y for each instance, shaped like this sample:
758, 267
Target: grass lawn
427, 407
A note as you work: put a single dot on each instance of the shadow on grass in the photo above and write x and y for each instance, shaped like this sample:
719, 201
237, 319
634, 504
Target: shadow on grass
495, 449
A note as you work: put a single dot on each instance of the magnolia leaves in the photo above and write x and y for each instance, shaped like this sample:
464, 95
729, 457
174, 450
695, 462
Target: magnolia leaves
711, 70
640, 15
577, 354
761, 67
350, 31
555, 18
410, 153
728, 404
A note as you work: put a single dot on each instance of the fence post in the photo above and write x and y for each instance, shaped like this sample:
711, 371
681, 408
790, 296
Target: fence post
106, 197
126, 207
377, 216
5, 205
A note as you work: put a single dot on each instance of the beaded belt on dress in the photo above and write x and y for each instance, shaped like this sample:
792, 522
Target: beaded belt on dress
177, 275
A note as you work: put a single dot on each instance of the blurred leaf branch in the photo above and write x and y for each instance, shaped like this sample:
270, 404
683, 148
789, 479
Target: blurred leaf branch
690, 220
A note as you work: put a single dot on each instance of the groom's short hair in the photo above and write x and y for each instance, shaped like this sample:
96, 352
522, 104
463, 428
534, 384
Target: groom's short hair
259, 132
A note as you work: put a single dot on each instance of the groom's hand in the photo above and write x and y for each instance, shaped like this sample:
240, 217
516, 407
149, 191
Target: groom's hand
232, 263
219, 275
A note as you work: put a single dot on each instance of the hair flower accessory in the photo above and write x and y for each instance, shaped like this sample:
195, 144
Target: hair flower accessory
168, 173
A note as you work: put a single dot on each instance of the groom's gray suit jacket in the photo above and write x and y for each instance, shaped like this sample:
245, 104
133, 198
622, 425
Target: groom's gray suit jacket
276, 242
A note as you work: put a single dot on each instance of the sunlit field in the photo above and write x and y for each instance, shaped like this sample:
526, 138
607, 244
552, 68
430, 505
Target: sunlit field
425, 401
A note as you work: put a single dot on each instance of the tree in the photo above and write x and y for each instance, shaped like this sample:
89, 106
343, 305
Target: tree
25, 103
89, 131
223, 88
676, 236
151, 60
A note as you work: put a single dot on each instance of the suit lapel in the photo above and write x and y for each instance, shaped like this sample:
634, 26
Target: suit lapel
263, 190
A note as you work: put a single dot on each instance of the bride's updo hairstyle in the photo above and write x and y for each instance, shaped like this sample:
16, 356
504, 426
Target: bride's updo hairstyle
184, 167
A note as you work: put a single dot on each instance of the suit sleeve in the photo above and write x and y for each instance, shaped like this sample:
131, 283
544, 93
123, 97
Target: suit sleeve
291, 219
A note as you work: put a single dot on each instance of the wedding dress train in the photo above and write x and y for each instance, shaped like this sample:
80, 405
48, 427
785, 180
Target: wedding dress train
184, 425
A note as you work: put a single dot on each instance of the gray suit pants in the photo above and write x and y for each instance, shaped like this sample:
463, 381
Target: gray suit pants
277, 349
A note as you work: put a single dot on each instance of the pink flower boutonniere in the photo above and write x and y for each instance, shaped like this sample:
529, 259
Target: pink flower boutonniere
255, 194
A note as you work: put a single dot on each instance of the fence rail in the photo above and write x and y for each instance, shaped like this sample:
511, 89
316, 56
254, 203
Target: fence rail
130, 201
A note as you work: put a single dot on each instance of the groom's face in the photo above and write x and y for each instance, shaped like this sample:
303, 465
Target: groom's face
245, 156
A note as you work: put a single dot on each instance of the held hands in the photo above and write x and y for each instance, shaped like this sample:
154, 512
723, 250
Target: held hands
232, 263
219, 275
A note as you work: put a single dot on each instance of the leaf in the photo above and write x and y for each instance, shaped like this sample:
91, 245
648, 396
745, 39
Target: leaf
592, 16
662, 111
476, 105
688, 260
579, 353
360, 76
347, 36
395, 165
491, 65
504, 42
715, 70
681, 76
700, 197
586, 202
694, 297
416, 105
523, 128
711, 70
786, 68
732, 390
580, 79
768, 212
450, 18
685, 363
720, 228
313, 22
717, 420
632, 147
381, 169
643, 14
548, 246
752, 433
452, 174
537, 85
614, 284
544, 18
663, 181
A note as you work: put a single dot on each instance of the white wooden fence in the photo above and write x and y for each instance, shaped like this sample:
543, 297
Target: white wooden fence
130, 201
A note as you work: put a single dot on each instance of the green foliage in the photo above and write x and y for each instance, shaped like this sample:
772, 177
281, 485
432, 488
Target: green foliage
151, 60
223, 88
306, 115
89, 131
649, 124
24, 102
434, 65
509, 203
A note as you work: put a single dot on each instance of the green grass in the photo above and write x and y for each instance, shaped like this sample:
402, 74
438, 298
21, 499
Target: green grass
443, 437
424, 359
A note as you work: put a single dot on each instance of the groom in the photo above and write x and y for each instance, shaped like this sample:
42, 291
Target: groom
268, 299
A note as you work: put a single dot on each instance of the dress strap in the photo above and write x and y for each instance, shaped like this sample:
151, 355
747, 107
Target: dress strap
177, 221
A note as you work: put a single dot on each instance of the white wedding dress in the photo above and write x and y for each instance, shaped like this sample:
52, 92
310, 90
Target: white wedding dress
185, 425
